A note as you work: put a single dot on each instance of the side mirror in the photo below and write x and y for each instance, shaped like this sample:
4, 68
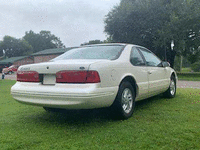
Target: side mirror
165, 64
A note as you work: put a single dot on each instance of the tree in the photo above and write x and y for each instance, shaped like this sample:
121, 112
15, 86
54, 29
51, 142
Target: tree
14, 47
1, 51
92, 42
183, 28
43, 40
155, 23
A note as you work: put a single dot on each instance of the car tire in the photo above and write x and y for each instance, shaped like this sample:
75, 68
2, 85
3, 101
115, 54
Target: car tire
10, 72
171, 91
124, 103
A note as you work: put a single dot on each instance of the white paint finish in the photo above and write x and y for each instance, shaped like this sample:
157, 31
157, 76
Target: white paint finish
157, 79
84, 96
73, 96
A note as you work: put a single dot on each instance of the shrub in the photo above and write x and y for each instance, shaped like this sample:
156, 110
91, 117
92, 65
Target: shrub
196, 66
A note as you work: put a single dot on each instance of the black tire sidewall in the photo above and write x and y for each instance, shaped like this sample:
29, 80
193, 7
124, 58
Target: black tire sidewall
117, 105
173, 78
168, 92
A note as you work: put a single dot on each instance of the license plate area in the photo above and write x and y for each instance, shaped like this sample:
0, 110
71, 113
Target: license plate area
49, 79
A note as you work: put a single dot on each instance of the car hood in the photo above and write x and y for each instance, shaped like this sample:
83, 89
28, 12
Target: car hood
59, 65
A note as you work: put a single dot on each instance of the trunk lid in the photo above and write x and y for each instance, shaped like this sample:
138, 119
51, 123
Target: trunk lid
55, 66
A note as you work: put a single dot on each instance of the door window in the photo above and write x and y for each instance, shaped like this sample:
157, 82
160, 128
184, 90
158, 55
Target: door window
135, 58
151, 59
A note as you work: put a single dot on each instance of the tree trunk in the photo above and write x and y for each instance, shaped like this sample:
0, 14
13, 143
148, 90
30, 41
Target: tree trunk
171, 57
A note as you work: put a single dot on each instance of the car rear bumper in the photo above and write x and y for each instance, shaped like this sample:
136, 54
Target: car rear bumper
69, 96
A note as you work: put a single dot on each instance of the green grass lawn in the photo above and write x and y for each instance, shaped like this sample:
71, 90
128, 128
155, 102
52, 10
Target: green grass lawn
186, 70
157, 123
189, 77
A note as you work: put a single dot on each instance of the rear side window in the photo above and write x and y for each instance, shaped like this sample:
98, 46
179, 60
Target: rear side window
135, 58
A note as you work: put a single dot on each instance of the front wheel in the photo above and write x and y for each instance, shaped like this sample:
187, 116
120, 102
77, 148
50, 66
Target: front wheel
124, 103
171, 91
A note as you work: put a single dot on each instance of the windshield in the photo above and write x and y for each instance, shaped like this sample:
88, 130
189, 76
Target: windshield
93, 52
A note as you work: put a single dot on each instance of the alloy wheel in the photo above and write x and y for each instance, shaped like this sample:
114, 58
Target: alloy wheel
127, 100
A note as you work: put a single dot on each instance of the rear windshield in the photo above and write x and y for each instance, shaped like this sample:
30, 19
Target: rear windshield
93, 52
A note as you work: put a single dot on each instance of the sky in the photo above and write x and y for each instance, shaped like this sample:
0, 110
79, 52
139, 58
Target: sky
73, 21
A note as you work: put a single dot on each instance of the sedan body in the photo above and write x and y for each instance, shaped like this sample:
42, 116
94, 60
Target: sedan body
10, 69
95, 76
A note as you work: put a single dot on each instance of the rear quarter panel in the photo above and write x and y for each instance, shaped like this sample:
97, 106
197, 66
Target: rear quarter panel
111, 72
114, 71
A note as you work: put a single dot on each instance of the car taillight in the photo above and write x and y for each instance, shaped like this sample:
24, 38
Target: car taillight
28, 76
77, 77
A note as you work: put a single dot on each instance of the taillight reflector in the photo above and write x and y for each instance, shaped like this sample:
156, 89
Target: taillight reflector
28, 76
77, 77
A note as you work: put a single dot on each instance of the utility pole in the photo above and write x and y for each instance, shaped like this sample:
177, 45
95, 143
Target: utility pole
181, 63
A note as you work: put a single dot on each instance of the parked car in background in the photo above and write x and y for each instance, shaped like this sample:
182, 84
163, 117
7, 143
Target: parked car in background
95, 76
10, 69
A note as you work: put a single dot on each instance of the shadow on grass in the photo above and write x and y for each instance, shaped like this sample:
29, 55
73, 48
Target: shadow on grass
146, 103
72, 117
81, 117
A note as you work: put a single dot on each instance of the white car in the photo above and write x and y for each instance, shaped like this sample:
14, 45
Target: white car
95, 76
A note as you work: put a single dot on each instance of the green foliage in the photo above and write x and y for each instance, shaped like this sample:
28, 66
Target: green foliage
177, 62
157, 123
136, 21
30, 43
196, 66
186, 70
155, 23
108, 40
14, 47
43, 40
190, 76
1, 51
93, 42
193, 54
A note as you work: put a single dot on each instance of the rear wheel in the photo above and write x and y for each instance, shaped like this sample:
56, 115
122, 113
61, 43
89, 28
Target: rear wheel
171, 91
124, 103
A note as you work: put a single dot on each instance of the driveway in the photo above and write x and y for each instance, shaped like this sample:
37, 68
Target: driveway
181, 84
189, 84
